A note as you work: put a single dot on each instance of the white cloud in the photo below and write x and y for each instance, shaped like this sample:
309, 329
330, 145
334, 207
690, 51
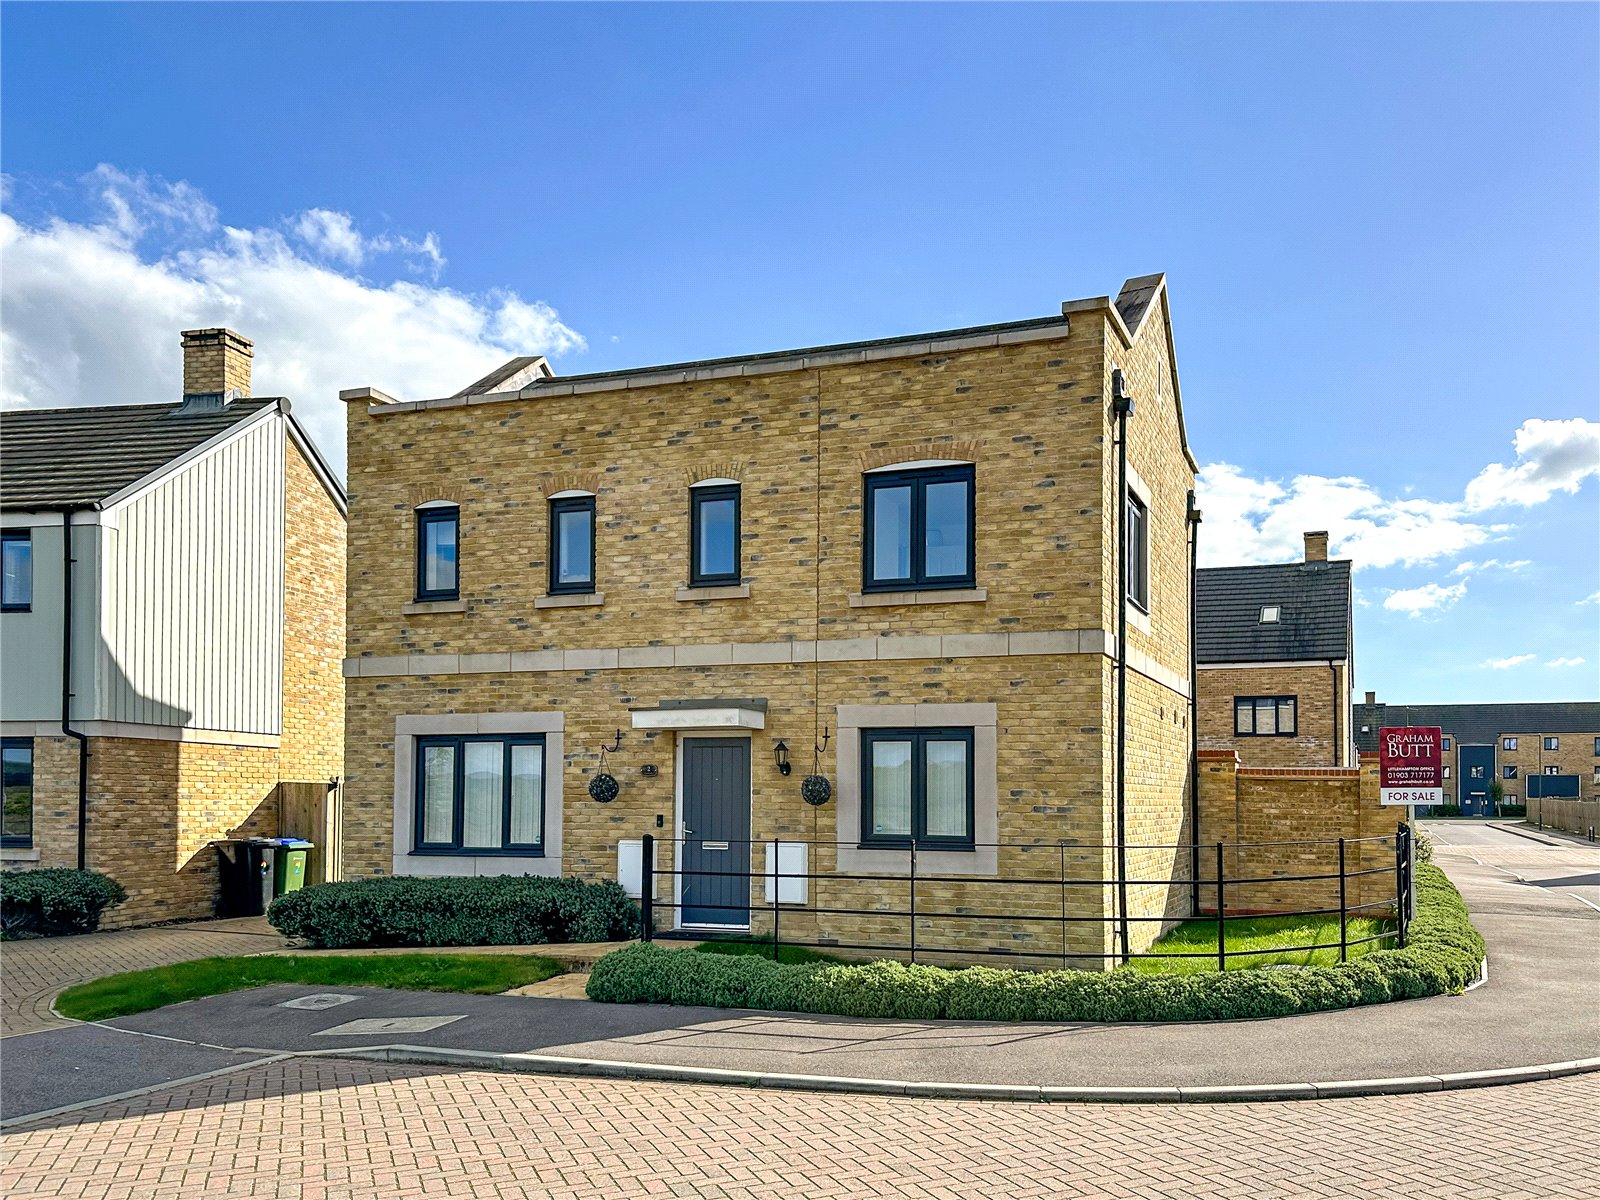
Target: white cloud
1552, 456
1263, 520
1250, 520
93, 309
1565, 662
1505, 664
1429, 597
1593, 598
1491, 564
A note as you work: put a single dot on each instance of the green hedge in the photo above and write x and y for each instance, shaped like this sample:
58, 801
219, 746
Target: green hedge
1443, 955
54, 900
492, 910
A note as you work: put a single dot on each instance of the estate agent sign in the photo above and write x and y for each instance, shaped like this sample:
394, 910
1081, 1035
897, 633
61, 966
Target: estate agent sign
1410, 765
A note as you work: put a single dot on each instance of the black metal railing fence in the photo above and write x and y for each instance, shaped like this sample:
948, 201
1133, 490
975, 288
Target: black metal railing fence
1348, 854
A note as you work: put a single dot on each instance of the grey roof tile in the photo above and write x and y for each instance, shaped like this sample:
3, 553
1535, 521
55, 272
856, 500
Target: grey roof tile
1478, 724
61, 456
1314, 612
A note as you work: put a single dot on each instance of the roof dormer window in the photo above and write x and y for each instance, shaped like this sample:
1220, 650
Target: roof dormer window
1270, 614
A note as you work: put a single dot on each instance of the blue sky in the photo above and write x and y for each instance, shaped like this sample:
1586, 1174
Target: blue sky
1379, 223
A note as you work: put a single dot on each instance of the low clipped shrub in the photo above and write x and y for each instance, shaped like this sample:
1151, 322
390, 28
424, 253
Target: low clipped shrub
54, 900
1442, 955
491, 910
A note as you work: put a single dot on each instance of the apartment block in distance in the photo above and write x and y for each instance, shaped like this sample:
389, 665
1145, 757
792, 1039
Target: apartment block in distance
171, 629
892, 563
1535, 751
1275, 651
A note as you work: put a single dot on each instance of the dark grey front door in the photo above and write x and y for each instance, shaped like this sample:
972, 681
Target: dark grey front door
1477, 768
716, 819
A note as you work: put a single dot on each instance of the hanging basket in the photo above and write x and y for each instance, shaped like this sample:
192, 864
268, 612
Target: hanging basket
604, 788
815, 789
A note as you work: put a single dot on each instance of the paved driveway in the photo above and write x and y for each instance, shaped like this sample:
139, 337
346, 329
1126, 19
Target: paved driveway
33, 972
312, 1128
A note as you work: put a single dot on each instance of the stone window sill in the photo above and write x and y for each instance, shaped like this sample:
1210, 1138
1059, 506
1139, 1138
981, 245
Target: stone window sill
950, 596
19, 854
580, 600
433, 606
732, 591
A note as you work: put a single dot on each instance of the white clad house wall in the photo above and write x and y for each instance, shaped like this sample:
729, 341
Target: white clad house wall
192, 583
30, 642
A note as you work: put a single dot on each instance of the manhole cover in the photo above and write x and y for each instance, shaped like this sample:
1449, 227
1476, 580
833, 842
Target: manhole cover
320, 1000
372, 1025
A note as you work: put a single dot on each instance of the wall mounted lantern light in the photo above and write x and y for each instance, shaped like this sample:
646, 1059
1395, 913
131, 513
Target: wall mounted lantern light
780, 755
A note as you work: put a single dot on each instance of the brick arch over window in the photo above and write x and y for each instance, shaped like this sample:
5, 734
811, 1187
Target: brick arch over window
418, 495
930, 449
725, 468
553, 483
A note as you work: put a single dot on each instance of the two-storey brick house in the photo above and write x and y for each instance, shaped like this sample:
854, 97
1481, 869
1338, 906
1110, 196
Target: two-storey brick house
170, 630
890, 562
1275, 657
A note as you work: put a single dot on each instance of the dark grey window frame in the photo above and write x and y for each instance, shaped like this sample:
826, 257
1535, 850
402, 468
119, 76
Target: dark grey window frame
918, 480
25, 536
1509, 771
699, 496
1552, 743
566, 504
919, 738
1252, 701
458, 796
1444, 743
21, 840
442, 515
1509, 743
1137, 514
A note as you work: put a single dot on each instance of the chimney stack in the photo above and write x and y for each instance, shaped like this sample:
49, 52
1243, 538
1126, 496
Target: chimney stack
216, 367
1317, 546
1372, 698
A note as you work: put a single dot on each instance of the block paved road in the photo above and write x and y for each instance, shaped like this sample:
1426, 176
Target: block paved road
324, 1130
33, 972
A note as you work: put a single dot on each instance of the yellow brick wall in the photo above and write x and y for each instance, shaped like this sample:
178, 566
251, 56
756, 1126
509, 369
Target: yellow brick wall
1322, 732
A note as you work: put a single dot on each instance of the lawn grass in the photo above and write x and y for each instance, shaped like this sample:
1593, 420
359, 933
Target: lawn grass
1266, 934
751, 944
140, 991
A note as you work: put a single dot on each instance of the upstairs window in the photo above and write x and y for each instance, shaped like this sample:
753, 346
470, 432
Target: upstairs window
1270, 614
919, 529
16, 553
1509, 772
713, 534
917, 788
1139, 553
1509, 744
1552, 743
1552, 770
1264, 716
438, 552
16, 765
1444, 743
1597, 747
1447, 772
571, 544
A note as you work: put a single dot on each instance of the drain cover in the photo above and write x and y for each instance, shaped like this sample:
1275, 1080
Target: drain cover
371, 1025
319, 1001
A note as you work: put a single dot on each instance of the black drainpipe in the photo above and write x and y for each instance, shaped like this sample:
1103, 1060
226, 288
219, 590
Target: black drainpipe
67, 559
1338, 747
1194, 708
1122, 408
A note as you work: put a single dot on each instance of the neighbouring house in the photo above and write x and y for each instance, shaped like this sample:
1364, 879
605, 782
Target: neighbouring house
893, 563
1275, 658
1535, 751
170, 633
